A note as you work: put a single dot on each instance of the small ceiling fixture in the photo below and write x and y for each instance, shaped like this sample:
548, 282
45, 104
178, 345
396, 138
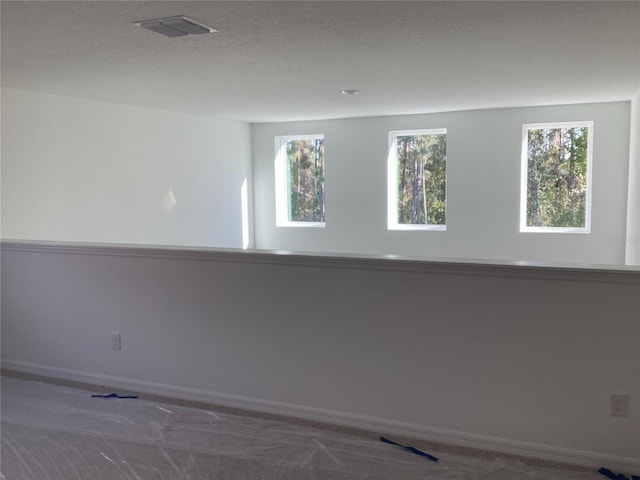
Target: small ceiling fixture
350, 92
178, 26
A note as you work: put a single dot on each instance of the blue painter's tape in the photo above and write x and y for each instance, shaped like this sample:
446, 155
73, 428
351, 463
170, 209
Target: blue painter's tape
411, 449
613, 476
114, 395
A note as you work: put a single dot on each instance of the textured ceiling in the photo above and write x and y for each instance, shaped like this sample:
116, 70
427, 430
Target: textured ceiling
276, 61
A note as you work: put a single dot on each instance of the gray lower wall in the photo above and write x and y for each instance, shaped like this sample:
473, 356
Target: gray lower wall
521, 354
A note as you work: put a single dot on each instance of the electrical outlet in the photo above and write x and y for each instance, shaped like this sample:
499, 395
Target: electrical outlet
619, 405
115, 341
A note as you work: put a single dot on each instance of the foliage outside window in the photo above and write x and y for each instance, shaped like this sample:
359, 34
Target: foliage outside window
417, 176
556, 177
300, 181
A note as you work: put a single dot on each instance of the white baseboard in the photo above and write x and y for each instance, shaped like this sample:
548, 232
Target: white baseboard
388, 427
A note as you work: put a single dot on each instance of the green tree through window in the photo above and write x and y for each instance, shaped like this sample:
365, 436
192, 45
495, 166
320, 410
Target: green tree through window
305, 177
421, 177
557, 175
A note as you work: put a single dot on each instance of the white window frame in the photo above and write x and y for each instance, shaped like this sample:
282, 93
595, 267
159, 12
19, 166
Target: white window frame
392, 181
283, 197
524, 228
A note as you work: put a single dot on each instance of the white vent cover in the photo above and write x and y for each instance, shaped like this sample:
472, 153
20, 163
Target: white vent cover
178, 26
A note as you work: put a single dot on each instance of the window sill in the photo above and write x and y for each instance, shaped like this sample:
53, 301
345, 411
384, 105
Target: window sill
302, 224
417, 227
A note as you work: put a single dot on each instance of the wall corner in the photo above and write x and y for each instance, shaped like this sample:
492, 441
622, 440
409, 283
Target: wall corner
632, 244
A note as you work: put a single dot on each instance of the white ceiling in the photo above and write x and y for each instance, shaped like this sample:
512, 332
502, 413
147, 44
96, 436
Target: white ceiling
277, 61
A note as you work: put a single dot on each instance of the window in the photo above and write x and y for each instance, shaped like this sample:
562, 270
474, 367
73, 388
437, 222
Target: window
417, 178
300, 181
556, 177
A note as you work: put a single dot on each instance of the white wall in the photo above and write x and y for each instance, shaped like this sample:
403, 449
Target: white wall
513, 354
90, 171
483, 187
632, 239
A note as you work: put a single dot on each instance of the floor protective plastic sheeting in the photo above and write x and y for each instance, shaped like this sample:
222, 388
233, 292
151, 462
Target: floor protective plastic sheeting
54, 432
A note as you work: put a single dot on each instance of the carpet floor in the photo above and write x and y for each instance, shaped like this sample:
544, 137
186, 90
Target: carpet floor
55, 432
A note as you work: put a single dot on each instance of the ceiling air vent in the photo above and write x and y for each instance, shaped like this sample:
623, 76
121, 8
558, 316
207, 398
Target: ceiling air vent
178, 26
